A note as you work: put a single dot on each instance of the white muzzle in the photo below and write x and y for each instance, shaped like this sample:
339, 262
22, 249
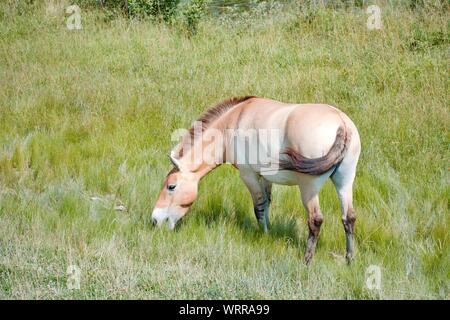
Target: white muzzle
161, 215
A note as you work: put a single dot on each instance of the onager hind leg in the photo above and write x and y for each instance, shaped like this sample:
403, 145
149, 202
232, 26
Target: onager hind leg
315, 219
261, 192
309, 188
343, 181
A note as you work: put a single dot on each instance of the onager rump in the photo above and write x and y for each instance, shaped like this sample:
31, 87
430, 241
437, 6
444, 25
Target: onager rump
303, 144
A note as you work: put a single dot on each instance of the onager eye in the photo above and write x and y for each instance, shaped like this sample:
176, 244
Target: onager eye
171, 187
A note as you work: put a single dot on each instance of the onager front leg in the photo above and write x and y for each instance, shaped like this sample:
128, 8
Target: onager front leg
260, 190
267, 186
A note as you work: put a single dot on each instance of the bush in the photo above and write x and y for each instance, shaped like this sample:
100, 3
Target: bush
192, 13
161, 9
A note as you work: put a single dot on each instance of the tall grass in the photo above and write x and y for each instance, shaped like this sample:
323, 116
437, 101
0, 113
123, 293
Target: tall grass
85, 124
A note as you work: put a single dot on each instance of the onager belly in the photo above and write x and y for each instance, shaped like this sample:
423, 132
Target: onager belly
290, 178
284, 177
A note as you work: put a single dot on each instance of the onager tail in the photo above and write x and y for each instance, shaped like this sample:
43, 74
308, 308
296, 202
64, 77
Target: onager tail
296, 162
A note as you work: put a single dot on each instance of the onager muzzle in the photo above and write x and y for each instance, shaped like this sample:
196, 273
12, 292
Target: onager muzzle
163, 215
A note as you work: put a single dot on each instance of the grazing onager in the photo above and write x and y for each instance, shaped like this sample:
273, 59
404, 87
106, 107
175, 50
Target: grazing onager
296, 144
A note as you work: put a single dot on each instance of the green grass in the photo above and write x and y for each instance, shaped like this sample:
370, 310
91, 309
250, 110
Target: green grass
90, 113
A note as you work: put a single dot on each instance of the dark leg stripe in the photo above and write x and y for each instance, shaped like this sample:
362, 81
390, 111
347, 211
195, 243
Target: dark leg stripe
259, 210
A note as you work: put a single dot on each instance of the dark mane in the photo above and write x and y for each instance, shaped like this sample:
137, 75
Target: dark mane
211, 115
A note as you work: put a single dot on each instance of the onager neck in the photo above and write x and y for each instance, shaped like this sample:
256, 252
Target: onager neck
205, 147
207, 151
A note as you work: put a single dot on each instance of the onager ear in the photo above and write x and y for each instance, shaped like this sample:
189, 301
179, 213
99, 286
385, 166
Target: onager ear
174, 160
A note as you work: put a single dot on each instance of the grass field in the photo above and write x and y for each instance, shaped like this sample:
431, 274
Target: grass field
86, 118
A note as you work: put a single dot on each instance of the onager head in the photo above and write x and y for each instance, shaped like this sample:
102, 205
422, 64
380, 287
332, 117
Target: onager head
177, 195
200, 151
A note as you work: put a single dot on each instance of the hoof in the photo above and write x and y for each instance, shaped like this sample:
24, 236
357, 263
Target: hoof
349, 258
263, 226
308, 258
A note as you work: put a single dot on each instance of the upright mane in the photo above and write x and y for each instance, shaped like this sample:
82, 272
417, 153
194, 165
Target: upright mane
209, 117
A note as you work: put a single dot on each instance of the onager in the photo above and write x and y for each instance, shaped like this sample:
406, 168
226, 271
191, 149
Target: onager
308, 144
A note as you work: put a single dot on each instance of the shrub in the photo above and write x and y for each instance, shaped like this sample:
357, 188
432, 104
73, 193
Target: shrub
192, 13
161, 9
